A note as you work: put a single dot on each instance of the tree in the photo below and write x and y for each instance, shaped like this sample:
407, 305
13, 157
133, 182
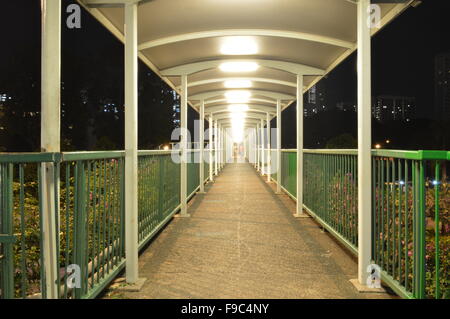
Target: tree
342, 141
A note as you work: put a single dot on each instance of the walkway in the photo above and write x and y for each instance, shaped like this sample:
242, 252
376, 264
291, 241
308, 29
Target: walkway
242, 241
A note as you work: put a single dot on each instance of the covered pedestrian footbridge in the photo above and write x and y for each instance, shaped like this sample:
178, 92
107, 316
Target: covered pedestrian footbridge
249, 210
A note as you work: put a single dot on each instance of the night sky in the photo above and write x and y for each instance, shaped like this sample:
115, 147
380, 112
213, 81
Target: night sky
402, 58
403, 52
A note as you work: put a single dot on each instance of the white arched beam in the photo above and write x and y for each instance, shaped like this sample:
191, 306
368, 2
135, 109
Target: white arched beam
252, 108
270, 94
290, 67
254, 79
108, 3
247, 121
248, 115
223, 100
247, 32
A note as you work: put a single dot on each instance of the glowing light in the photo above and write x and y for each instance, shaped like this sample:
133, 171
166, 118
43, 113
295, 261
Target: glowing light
435, 182
166, 147
237, 97
238, 108
238, 66
239, 46
377, 146
237, 126
388, 141
236, 117
238, 84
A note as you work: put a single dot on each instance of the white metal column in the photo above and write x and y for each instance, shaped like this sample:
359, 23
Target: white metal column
245, 147
211, 148
278, 147
220, 147
364, 141
224, 151
216, 151
50, 135
257, 147
202, 146
299, 115
131, 143
184, 145
269, 155
263, 156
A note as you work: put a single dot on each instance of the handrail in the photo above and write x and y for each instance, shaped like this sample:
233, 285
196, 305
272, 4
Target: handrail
413, 155
404, 204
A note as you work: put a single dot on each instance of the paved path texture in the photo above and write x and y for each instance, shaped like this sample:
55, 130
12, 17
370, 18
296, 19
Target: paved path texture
242, 241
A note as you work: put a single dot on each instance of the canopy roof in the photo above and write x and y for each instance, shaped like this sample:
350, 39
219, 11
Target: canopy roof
290, 36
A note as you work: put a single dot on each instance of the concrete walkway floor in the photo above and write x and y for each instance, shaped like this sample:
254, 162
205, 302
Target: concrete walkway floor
242, 241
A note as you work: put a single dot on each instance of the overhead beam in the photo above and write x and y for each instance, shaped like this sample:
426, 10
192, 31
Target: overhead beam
252, 99
247, 121
266, 93
252, 108
108, 3
247, 32
290, 67
248, 115
254, 79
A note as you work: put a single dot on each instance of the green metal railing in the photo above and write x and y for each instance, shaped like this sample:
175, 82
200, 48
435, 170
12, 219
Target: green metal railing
410, 215
91, 216
159, 192
193, 172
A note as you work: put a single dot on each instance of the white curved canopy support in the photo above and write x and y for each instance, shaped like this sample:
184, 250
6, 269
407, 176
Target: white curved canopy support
108, 3
254, 79
247, 121
252, 99
290, 67
248, 115
247, 32
270, 94
252, 108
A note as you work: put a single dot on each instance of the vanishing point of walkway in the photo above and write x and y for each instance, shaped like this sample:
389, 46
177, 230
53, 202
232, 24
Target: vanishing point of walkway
242, 241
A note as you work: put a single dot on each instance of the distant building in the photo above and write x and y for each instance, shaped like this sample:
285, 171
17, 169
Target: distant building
4, 97
315, 100
393, 108
442, 86
346, 106
176, 109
